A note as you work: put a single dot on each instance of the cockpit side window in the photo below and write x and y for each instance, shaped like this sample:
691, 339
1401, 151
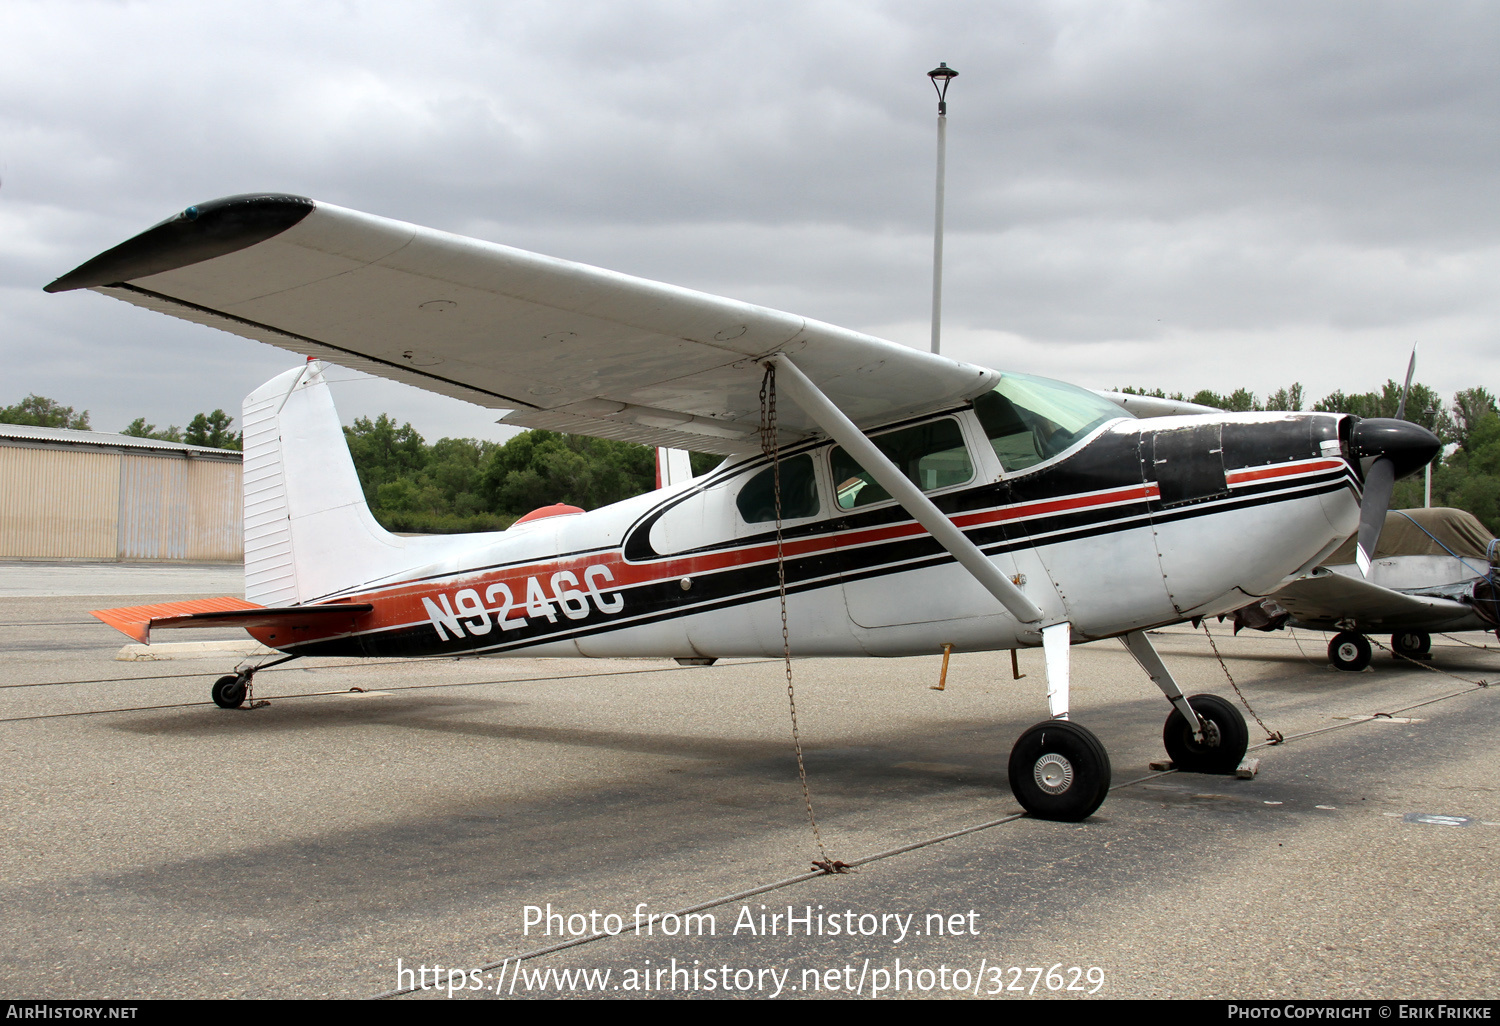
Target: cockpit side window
799, 492
1029, 419
1011, 437
932, 456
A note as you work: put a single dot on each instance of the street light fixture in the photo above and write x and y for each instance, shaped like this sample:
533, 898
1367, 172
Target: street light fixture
941, 76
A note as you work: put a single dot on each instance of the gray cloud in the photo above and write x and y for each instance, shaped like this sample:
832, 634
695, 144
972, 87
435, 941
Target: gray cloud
1184, 194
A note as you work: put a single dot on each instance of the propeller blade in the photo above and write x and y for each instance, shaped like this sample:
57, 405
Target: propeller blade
1394, 448
1380, 482
1406, 388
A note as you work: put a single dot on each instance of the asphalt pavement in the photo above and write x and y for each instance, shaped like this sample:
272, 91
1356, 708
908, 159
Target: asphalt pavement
461, 813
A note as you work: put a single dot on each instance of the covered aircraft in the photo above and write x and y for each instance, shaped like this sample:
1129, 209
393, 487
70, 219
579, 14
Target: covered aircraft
1433, 571
895, 501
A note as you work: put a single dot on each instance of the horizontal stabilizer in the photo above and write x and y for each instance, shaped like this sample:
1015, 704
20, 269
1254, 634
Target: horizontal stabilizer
136, 621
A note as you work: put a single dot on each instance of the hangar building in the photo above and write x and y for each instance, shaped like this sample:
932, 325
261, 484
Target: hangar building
93, 495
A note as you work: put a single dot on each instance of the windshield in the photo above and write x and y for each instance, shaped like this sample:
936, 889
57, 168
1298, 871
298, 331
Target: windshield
1029, 419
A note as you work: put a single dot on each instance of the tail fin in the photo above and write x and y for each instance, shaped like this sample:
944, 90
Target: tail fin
308, 532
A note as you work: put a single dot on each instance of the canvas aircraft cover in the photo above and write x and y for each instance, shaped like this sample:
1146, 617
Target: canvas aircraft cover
1423, 532
564, 345
1326, 598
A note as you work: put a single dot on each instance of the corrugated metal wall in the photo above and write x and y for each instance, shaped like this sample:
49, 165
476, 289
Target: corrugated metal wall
77, 504
186, 509
58, 503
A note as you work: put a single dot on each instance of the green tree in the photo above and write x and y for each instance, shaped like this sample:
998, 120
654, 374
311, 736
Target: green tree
138, 428
1285, 398
1241, 400
383, 453
538, 468
1423, 406
39, 411
1469, 479
1470, 406
212, 430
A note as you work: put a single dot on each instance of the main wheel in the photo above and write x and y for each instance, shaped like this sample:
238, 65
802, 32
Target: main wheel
229, 692
1412, 644
1224, 740
1349, 651
1059, 770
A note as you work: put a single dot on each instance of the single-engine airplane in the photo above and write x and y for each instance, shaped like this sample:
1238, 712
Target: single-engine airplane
1432, 570
913, 501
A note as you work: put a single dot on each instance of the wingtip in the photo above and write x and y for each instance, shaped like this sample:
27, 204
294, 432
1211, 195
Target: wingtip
199, 232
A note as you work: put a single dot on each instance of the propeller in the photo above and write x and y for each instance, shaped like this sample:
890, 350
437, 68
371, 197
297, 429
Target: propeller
1399, 447
1380, 482
1411, 365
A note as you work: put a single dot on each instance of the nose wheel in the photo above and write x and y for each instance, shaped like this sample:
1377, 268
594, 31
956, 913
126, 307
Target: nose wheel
1225, 737
1059, 770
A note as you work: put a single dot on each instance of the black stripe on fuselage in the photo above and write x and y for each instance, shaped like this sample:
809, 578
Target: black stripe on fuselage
719, 589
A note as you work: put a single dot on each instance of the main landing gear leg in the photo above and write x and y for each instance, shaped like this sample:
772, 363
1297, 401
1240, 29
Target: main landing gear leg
1058, 769
1204, 734
230, 691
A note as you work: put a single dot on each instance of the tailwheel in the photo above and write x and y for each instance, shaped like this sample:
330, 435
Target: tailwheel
1059, 770
1225, 737
229, 692
1349, 651
1412, 644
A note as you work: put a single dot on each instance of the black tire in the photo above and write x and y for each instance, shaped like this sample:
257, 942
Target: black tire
1059, 770
1349, 651
1412, 644
229, 692
1223, 746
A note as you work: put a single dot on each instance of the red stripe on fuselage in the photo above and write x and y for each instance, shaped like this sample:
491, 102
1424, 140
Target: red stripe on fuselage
401, 605
1298, 469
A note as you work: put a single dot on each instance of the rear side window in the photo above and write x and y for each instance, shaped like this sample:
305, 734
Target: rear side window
799, 492
932, 456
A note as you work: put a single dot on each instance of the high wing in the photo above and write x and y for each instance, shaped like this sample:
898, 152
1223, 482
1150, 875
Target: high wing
1325, 598
1147, 406
565, 346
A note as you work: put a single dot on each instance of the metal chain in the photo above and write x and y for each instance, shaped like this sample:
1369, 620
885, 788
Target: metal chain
1274, 736
770, 445
1470, 644
1481, 683
1300, 650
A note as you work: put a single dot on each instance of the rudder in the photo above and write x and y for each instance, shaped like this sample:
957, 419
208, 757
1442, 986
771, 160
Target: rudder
308, 532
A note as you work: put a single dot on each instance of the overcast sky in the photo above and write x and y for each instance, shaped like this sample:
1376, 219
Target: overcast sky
1178, 195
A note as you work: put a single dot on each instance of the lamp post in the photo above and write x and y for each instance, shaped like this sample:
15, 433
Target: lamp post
941, 76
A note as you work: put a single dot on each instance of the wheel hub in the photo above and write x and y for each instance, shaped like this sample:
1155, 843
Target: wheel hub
1053, 773
1348, 652
1211, 737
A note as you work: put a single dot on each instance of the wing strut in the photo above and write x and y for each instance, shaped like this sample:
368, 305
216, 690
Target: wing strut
842, 430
